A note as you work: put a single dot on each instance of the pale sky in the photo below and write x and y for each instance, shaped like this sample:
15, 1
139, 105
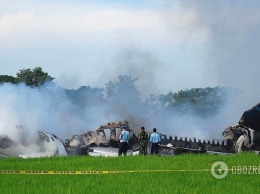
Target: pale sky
169, 46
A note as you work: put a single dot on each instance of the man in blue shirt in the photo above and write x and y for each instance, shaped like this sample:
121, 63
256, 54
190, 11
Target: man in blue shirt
124, 138
155, 139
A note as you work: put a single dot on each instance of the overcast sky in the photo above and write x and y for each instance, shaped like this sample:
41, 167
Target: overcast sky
169, 46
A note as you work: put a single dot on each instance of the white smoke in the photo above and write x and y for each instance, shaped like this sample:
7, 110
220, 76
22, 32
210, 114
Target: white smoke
215, 44
231, 51
223, 39
35, 110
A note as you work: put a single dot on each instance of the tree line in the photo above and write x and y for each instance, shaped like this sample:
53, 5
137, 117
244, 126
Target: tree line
203, 102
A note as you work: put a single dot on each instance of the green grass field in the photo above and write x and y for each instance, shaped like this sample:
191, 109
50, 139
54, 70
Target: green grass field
131, 174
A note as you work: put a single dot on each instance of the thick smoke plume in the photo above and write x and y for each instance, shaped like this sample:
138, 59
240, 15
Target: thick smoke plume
25, 110
229, 51
216, 44
222, 35
223, 39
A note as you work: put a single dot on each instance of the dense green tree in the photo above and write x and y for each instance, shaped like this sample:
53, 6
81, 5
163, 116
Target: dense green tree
199, 101
35, 77
202, 101
7, 79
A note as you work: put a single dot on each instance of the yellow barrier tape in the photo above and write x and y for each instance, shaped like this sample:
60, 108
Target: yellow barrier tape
94, 172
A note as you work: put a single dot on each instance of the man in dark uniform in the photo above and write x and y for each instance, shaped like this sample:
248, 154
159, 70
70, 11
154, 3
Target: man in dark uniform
143, 141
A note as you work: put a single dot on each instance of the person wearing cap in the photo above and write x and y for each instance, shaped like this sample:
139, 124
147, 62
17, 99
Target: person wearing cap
143, 141
155, 139
124, 138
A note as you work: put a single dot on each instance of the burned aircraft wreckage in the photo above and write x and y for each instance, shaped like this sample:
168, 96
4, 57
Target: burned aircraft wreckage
43, 145
104, 141
246, 134
243, 136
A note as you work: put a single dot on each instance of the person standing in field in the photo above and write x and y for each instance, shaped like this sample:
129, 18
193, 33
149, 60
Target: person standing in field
143, 141
155, 139
124, 138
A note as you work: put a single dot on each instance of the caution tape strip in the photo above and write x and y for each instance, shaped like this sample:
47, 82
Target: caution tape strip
94, 172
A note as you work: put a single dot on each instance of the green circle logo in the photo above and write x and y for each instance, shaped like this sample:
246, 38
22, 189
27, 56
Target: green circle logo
219, 170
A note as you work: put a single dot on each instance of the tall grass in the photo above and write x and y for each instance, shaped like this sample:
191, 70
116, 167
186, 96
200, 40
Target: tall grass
143, 180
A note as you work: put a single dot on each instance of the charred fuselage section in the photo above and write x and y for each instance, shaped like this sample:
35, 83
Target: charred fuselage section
106, 135
245, 135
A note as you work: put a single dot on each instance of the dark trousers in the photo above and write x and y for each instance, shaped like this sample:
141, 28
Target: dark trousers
143, 149
155, 148
123, 147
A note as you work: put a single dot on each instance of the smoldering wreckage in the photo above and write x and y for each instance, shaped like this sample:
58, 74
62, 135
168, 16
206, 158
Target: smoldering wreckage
104, 141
